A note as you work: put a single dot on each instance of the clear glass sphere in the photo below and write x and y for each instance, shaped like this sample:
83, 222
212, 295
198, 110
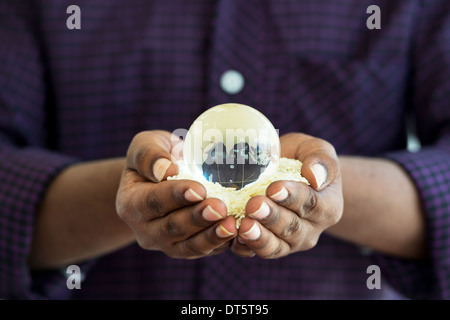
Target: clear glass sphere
232, 144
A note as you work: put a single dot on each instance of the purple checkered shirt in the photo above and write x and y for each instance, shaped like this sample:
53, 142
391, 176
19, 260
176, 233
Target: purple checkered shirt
310, 66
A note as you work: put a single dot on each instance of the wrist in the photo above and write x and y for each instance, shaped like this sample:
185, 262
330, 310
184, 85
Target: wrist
77, 219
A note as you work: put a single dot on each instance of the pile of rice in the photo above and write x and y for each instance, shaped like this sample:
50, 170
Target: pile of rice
236, 200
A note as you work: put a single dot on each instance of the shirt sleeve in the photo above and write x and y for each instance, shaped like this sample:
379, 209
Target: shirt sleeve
26, 165
429, 168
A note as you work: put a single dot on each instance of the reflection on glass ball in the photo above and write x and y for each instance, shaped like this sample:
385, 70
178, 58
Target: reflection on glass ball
232, 144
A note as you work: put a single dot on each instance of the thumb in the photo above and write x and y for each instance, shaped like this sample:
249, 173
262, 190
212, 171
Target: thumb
316, 173
320, 161
149, 154
321, 168
163, 168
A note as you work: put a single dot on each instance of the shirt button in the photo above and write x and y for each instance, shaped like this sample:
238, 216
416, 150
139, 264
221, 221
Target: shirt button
232, 81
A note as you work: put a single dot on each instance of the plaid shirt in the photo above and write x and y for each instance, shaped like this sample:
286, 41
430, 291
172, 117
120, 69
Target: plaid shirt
310, 66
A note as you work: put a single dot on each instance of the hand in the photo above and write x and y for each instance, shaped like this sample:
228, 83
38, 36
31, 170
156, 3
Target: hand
172, 216
292, 215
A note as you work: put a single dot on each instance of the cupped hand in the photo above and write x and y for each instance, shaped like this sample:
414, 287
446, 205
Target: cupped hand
292, 215
172, 216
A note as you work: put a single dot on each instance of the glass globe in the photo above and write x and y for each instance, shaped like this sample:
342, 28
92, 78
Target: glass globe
232, 144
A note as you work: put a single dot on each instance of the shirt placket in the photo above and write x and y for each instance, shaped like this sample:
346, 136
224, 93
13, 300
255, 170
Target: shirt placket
237, 68
236, 74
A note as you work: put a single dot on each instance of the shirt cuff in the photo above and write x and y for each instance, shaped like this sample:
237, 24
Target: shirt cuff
429, 279
25, 175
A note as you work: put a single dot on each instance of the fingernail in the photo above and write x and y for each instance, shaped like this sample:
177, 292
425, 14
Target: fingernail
262, 212
253, 233
210, 214
160, 168
280, 195
222, 232
320, 174
192, 196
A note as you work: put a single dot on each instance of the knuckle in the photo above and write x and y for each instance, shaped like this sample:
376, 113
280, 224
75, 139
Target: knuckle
126, 216
327, 216
177, 195
122, 211
273, 218
333, 218
274, 252
193, 251
141, 158
155, 204
309, 205
269, 249
145, 243
126, 206
292, 228
309, 243
171, 228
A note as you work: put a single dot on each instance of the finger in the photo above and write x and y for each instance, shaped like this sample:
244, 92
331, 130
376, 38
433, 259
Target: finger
164, 232
316, 171
213, 240
168, 196
286, 217
264, 243
281, 221
144, 201
238, 247
320, 208
320, 162
150, 155
295, 196
270, 244
183, 223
